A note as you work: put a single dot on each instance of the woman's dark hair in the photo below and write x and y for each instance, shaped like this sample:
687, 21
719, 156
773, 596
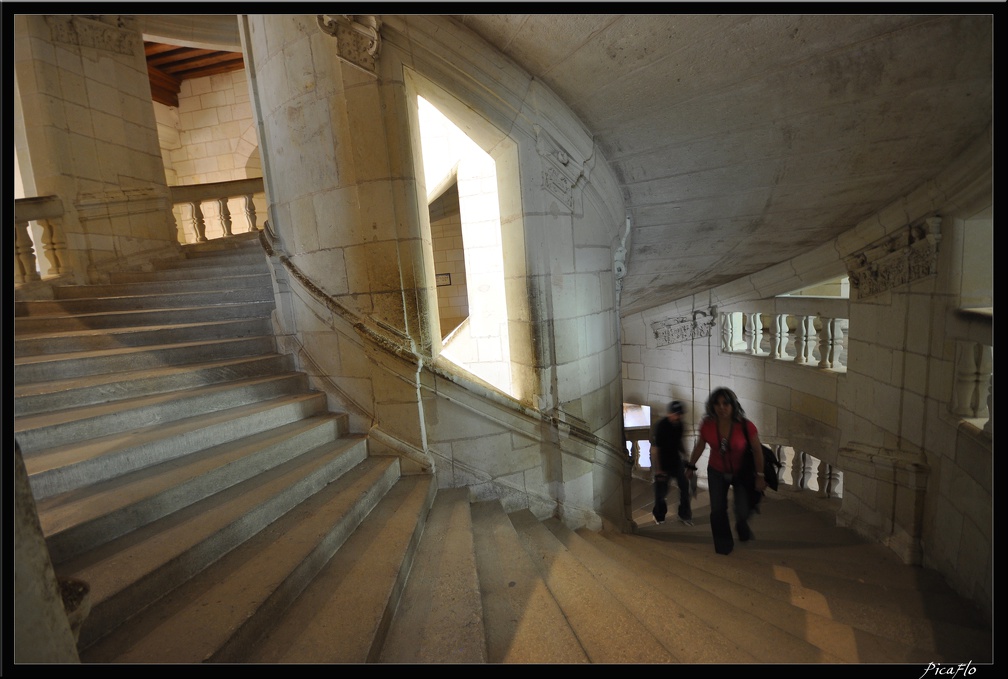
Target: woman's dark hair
738, 413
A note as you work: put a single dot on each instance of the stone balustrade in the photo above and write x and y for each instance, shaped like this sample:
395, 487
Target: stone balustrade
46, 212
806, 330
194, 196
40, 245
972, 397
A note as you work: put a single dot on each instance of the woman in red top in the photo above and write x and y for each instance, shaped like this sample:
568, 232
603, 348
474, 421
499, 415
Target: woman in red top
726, 430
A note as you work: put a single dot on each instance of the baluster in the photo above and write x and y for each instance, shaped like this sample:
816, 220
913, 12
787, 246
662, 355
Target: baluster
250, 212
826, 348
811, 335
25, 264
791, 342
726, 321
989, 425
52, 238
778, 337
985, 366
780, 458
834, 481
796, 470
965, 379
635, 453
753, 333
822, 480
839, 356
804, 338
199, 226
736, 340
225, 216
765, 344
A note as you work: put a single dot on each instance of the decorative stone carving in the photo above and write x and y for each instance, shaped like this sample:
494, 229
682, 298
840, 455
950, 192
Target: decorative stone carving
904, 257
358, 41
85, 32
619, 262
684, 328
560, 171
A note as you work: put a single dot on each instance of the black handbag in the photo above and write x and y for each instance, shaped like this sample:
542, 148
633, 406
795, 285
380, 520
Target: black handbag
771, 471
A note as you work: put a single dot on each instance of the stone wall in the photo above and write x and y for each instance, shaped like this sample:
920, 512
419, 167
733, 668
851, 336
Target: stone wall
87, 112
916, 476
357, 276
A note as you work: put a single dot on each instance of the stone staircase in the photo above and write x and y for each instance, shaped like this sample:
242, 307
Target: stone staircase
221, 513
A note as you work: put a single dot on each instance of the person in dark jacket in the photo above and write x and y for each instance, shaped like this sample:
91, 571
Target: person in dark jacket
667, 463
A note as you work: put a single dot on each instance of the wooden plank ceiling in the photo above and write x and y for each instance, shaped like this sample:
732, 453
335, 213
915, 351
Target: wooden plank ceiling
169, 65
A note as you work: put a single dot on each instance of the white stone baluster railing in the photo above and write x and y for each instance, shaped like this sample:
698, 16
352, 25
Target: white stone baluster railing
195, 195
818, 339
634, 436
47, 212
972, 396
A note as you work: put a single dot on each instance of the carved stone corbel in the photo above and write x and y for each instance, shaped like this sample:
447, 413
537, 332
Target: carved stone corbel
358, 40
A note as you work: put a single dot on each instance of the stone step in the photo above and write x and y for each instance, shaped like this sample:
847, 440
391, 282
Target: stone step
87, 517
837, 574
238, 241
687, 638
116, 338
523, 622
171, 300
90, 389
193, 261
48, 367
28, 325
607, 630
154, 286
729, 620
132, 572
65, 468
204, 271
56, 428
343, 615
848, 643
440, 616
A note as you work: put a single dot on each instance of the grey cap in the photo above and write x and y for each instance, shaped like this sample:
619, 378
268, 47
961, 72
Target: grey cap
676, 407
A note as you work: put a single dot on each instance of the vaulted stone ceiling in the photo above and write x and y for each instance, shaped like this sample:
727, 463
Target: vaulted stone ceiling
742, 141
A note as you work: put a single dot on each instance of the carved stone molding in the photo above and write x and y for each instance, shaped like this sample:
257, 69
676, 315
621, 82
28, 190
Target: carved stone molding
684, 328
358, 41
904, 257
119, 203
85, 32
